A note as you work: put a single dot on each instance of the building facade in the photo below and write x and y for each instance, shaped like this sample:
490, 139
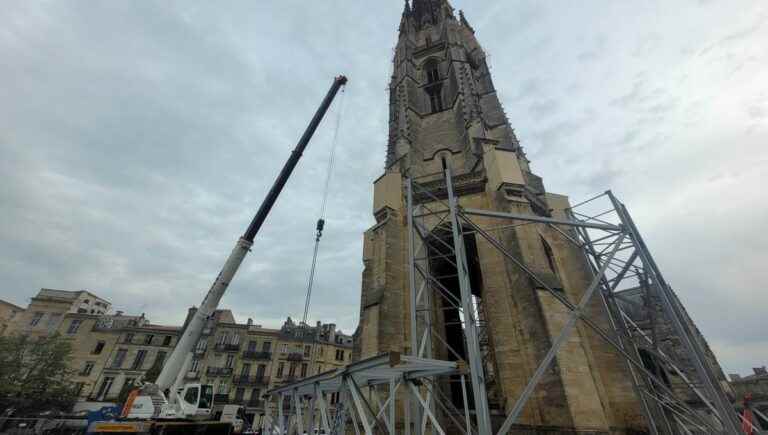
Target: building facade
445, 112
111, 352
8, 312
47, 309
243, 361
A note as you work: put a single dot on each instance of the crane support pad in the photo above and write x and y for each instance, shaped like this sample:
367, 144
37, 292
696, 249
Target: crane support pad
161, 427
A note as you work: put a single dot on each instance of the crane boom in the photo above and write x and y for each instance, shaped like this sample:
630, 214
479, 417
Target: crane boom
174, 368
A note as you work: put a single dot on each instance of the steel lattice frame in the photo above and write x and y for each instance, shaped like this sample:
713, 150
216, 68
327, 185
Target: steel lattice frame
621, 265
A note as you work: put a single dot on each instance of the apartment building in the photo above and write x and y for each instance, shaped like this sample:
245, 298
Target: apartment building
46, 311
8, 312
242, 361
111, 352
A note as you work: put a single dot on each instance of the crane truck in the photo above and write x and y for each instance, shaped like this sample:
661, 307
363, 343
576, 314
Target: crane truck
169, 405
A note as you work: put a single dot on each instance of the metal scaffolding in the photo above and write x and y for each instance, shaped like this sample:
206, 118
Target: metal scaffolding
644, 315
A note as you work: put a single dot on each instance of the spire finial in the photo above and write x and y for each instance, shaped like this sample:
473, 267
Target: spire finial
464, 21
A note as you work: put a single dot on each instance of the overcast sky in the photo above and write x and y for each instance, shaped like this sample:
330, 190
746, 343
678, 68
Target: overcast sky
137, 140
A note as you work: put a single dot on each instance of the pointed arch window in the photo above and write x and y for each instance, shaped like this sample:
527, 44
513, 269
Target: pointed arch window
550, 255
432, 71
435, 99
433, 86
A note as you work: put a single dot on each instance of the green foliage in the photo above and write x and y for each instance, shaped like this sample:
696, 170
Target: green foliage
35, 374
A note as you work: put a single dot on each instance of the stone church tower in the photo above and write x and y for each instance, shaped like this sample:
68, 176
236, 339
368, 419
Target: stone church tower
444, 110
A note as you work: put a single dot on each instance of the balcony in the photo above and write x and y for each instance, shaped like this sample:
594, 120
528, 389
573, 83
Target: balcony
221, 399
250, 380
254, 403
227, 347
295, 356
252, 354
200, 351
191, 375
219, 371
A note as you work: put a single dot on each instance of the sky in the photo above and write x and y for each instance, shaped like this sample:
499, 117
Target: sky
137, 140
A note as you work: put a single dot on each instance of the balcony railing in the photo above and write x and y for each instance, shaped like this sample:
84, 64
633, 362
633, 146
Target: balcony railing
255, 403
252, 354
200, 351
227, 347
250, 380
221, 399
193, 375
295, 356
219, 371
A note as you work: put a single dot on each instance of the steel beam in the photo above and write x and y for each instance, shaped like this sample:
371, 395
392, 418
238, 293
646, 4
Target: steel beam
474, 354
556, 345
540, 219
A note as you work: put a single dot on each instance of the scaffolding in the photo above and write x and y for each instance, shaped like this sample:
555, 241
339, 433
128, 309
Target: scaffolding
644, 314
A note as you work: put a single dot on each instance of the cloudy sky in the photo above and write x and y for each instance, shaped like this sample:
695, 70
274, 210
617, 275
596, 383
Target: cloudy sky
137, 139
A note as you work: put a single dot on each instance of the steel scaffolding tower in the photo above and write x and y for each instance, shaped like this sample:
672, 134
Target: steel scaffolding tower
644, 314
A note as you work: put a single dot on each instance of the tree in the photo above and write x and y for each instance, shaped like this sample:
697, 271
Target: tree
35, 374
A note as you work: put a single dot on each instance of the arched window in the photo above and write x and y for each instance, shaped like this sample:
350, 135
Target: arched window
432, 71
435, 99
550, 255
433, 86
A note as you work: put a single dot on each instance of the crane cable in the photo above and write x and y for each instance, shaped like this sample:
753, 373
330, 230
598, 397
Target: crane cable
321, 220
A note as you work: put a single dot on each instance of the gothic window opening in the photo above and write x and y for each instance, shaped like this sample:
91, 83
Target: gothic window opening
433, 86
435, 99
651, 363
550, 255
442, 267
432, 71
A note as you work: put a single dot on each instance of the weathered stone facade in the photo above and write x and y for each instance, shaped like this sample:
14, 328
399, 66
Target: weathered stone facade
444, 110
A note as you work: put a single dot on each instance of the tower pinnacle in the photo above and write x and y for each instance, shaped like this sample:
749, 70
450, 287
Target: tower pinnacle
429, 11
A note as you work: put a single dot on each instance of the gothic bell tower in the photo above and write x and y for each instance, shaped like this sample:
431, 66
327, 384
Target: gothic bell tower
445, 112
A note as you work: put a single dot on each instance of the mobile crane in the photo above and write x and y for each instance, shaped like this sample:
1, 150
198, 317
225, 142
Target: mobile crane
169, 405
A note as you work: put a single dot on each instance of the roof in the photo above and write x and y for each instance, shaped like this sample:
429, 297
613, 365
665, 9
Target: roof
14, 306
66, 295
166, 328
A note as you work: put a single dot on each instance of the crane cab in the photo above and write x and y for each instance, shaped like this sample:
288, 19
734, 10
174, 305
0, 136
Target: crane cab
196, 401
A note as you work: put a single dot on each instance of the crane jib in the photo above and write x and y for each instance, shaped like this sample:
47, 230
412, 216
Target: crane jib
285, 173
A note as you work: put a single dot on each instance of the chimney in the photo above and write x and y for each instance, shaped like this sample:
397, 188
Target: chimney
760, 370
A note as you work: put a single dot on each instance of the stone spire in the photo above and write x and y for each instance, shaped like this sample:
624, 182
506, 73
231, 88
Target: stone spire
429, 11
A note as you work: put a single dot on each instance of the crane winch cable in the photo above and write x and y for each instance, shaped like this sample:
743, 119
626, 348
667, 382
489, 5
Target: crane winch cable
321, 220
